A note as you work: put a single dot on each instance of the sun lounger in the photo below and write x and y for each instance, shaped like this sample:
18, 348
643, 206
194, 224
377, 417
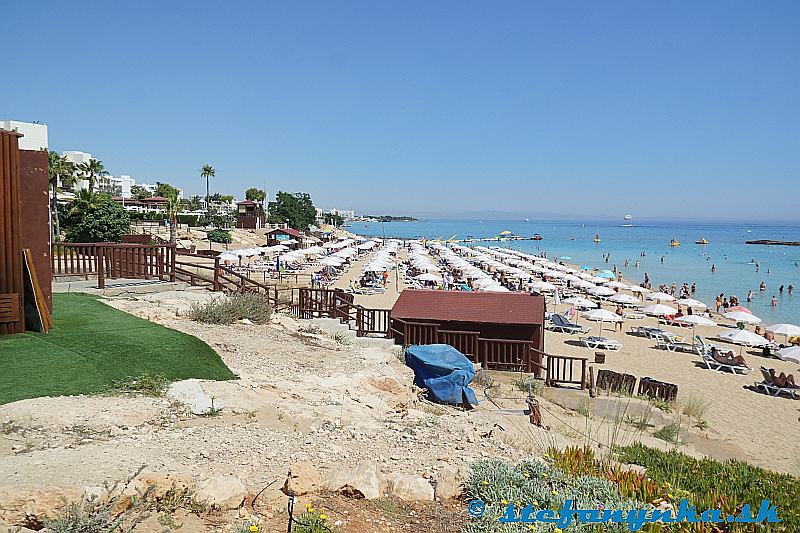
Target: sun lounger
600, 342
633, 315
560, 323
713, 364
676, 343
670, 321
772, 389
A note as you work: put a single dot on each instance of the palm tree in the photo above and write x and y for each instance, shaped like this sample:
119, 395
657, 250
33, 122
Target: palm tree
61, 172
85, 200
174, 206
92, 170
207, 172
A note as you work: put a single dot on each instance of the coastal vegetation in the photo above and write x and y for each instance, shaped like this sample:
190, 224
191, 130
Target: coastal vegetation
295, 209
99, 349
207, 172
220, 235
93, 217
227, 310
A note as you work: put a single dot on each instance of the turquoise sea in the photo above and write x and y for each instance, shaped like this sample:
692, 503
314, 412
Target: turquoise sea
735, 271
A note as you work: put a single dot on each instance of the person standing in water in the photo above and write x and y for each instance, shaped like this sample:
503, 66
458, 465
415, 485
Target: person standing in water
713, 268
774, 301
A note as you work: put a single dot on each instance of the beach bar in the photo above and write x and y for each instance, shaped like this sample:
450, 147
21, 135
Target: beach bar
500, 330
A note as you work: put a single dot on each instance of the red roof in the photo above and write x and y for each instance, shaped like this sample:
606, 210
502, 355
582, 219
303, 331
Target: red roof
460, 306
247, 202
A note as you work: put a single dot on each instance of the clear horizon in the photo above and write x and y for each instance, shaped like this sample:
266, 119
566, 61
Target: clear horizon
671, 111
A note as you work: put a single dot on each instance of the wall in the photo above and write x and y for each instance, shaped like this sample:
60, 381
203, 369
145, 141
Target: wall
11, 284
35, 135
35, 216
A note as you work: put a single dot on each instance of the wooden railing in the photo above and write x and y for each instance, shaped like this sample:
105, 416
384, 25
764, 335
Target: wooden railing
564, 370
466, 342
114, 260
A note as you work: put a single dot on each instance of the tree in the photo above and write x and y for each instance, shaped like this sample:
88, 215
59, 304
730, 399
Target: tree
255, 195
63, 171
194, 203
226, 198
207, 172
139, 192
165, 190
92, 170
295, 209
333, 220
96, 218
173, 208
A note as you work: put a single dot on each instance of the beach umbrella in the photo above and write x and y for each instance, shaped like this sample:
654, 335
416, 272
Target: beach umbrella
790, 330
637, 288
659, 310
543, 286
790, 353
740, 316
427, 276
691, 302
660, 297
695, 320
578, 301
505, 232
606, 275
624, 299
601, 291
616, 285
228, 256
586, 267
602, 315
739, 308
743, 338
566, 257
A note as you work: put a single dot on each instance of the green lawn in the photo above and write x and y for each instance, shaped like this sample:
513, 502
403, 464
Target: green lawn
91, 345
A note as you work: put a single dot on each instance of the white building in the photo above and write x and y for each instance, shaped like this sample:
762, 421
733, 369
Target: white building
152, 189
78, 158
34, 134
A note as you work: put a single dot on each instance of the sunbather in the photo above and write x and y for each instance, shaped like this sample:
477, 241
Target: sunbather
782, 380
728, 358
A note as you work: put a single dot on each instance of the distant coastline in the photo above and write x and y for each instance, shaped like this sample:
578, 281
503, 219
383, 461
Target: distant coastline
387, 218
768, 242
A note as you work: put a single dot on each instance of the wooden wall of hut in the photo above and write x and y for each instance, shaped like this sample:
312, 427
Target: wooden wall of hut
12, 317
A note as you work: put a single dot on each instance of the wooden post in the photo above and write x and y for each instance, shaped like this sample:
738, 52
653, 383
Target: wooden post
173, 252
101, 280
592, 390
216, 274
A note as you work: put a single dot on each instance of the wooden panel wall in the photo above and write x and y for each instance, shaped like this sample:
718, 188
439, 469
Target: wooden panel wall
10, 251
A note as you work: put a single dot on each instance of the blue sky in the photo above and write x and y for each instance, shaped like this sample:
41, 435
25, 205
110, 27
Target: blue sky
660, 109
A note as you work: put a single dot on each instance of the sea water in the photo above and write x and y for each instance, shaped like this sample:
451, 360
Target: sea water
734, 260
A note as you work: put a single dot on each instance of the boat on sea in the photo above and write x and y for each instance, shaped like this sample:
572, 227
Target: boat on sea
628, 223
628, 218
537, 237
674, 242
596, 237
701, 241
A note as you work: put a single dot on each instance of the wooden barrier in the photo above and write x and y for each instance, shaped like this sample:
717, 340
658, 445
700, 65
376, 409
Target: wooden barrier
652, 388
114, 260
616, 382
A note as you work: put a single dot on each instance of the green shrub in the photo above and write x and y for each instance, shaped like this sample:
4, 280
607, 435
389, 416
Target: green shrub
227, 310
220, 235
96, 218
721, 484
499, 484
147, 384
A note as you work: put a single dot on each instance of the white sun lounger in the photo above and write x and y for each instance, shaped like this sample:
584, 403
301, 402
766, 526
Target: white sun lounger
713, 364
600, 342
773, 390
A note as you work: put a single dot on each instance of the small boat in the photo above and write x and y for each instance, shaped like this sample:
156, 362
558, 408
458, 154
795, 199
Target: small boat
596, 237
674, 242
537, 237
701, 241
628, 218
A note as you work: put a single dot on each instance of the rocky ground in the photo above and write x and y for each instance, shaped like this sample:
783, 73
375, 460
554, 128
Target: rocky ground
340, 414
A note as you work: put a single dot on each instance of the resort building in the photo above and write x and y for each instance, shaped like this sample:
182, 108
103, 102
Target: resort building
249, 215
34, 134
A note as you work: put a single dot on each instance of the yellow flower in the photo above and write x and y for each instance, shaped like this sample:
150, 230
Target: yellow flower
254, 528
308, 506
526, 474
535, 503
555, 492
670, 496
323, 517
531, 527
485, 482
545, 474
558, 530
504, 502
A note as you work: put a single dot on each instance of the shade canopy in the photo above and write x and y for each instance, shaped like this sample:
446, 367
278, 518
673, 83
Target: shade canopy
691, 302
741, 316
744, 337
602, 315
578, 301
624, 299
790, 330
791, 353
660, 297
660, 310
696, 320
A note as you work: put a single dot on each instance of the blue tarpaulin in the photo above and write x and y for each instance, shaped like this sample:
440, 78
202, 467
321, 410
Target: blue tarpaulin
444, 371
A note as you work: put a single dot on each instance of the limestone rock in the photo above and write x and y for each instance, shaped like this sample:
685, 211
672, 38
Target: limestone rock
450, 481
302, 479
28, 506
362, 481
411, 488
225, 492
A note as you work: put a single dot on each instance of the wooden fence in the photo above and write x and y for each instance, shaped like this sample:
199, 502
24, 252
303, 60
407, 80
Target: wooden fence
114, 260
495, 354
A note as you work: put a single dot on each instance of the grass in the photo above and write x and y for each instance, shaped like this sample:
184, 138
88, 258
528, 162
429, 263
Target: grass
94, 348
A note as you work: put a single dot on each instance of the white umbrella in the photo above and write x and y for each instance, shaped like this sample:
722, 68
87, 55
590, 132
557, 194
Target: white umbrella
616, 285
741, 316
790, 330
543, 286
427, 276
691, 302
790, 353
660, 297
624, 299
601, 291
602, 315
659, 310
578, 301
696, 320
743, 337
331, 261
636, 288
228, 256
